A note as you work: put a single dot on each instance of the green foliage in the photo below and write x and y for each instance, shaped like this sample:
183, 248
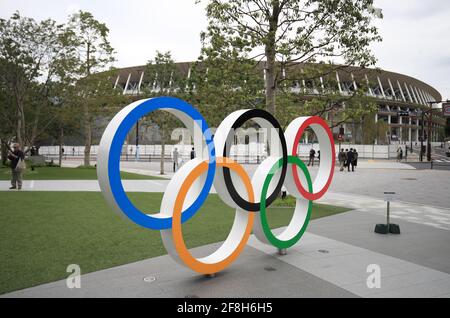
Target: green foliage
282, 38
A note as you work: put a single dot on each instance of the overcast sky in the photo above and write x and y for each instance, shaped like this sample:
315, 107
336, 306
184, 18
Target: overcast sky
416, 33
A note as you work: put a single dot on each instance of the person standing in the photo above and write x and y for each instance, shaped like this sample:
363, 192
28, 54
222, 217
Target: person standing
16, 171
192, 153
346, 159
312, 154
341, 158
350, 160
399, 154
175, 159
73, 151
355, 159
318, 157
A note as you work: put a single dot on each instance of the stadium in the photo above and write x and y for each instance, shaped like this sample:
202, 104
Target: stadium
403, 101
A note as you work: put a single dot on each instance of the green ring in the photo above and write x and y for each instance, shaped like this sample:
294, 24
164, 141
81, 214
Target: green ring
265, 226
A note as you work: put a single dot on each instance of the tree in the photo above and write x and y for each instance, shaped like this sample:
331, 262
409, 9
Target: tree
221, 82
287, 33
95, 54
29, 55
163, 78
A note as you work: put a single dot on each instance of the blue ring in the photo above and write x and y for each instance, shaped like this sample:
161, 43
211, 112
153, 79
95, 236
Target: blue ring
115, 182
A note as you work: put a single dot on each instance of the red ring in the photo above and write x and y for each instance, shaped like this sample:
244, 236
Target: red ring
313, 120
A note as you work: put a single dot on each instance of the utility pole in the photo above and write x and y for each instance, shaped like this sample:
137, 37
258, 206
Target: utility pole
430, 120
422, 136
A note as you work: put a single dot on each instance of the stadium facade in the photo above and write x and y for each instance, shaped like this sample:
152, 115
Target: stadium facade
394, 94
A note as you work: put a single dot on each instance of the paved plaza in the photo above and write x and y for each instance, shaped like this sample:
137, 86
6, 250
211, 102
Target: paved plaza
331, 260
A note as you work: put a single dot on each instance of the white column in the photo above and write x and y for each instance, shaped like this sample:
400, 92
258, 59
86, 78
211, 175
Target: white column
117, 81
140, 82
368, 85
188, 77
338, 82
401, 91
392, 89
414, 95
423, 96
126, 85
418, 96
381, 87
409, 94
354, 82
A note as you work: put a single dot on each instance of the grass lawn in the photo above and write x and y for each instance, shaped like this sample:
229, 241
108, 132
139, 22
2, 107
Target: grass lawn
41, 233
57, 173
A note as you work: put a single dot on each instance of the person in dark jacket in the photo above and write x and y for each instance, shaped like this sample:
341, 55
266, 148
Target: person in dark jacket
312, 154
16, 175
355, 159
192, 153
346, 159
350, 160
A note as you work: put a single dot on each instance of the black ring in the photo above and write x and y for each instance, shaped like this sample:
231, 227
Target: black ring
241, 202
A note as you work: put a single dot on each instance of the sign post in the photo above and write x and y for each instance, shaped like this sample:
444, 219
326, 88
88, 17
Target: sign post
388, 227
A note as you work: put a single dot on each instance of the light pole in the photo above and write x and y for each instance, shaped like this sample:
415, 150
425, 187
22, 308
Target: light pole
430, 120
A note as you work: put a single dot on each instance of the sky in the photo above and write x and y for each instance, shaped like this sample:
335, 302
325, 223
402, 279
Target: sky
416, 33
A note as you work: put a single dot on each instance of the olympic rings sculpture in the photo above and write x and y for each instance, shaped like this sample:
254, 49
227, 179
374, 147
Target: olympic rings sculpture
191, 184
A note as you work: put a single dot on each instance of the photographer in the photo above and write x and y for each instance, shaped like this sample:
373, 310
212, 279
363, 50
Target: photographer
17, 157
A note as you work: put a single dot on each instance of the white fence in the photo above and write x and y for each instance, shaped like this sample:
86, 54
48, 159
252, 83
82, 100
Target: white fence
242, 153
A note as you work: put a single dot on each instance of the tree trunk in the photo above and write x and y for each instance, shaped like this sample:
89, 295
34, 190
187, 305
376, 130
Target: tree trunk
87, 137
87, 123
19, 131
270, 80
61, 141
270, 58
163, 148
4, 152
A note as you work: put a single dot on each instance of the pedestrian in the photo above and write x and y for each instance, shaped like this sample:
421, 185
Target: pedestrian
175, 159
17, 158
62, 152
350, 160
312, 154
406, 153
346, 159
192, 153
355, 159
318, 157
399, 154
341, 158
73, 152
